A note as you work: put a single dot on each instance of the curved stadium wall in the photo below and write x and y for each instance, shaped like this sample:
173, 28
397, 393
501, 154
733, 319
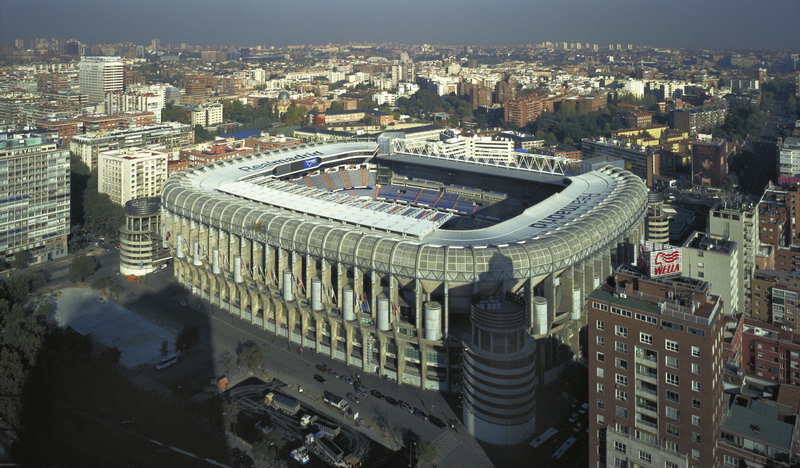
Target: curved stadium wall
399, 305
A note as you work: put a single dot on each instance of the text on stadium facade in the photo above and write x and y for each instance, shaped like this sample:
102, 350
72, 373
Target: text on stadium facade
277, 162
565, 211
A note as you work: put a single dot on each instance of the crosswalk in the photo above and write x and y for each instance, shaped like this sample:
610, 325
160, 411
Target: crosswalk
445, 444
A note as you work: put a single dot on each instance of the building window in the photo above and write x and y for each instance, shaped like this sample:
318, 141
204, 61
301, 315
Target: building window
695, 420
696, 403
730, 461
696, 385
621, 428
672, 446
673, 430
620, 447
695, 454
601, 388
621, 395
601, 372
621, 331
645, 457
696, 351
672, 361
646, 338
601, 420
673, 396
621, 347
601, 404
696, 437
601, 341
672, 413
622, 363
621, 412
671, 345
601, 357
601, 325
672, 379
695, 368
622, 380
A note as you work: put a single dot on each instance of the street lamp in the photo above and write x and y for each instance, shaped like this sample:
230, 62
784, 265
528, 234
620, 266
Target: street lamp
411, 453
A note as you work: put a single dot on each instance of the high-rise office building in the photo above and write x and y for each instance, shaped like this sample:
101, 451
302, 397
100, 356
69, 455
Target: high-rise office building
655, 390
34, 197
99, 75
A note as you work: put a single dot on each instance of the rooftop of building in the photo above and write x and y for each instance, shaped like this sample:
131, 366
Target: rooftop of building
704, 241
777, 276
22, 141
758, 420
768, 331
690, 301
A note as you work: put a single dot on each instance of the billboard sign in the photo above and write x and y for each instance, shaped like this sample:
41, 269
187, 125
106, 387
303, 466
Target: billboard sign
665, 262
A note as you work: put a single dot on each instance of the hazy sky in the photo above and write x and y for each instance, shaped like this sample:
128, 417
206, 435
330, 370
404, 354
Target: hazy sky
670, 23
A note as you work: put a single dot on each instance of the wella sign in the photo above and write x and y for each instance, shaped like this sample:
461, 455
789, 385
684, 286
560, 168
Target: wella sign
665, 262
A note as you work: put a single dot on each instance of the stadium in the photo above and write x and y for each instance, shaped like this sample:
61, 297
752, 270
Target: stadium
456, 265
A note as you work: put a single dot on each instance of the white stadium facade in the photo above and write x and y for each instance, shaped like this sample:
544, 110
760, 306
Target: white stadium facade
434, 264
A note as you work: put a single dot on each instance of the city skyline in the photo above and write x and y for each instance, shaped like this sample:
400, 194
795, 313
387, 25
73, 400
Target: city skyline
730, 25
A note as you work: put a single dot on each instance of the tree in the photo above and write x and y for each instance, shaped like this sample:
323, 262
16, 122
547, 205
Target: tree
187, 338
81, 267
201, 134
226, 361
251, 356
111, 355
230, 414
269, 447
295, 115
21, 260
164, 348
336, 106
426, 452
173, 113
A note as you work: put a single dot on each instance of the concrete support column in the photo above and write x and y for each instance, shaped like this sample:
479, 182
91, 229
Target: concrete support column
215, 261
179, 246
283, 265
349, 335
606, 261
446, 310
237, 269
550, 289
258, 263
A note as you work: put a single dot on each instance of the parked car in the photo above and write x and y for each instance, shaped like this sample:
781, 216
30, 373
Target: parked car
390, 400
405, 406
350, 396
420, 414
319, 378
361, 389
346, 379
376, 394
322, 368
437, 422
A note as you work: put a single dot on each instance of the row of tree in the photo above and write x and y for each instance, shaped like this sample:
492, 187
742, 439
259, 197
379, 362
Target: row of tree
89, 208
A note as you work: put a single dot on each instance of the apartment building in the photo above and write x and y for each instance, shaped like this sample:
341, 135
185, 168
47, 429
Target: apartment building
129, 173
118, 102
169, 135
737, 220
206, 114
715, 260
700, 119
655, 389
34, 197
775, 298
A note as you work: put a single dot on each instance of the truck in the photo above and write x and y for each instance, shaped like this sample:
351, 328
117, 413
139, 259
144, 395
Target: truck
282, 403
335, 401
306, 420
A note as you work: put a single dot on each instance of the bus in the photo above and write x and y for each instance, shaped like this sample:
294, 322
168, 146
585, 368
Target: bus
167, 361
543, 437
564, 447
